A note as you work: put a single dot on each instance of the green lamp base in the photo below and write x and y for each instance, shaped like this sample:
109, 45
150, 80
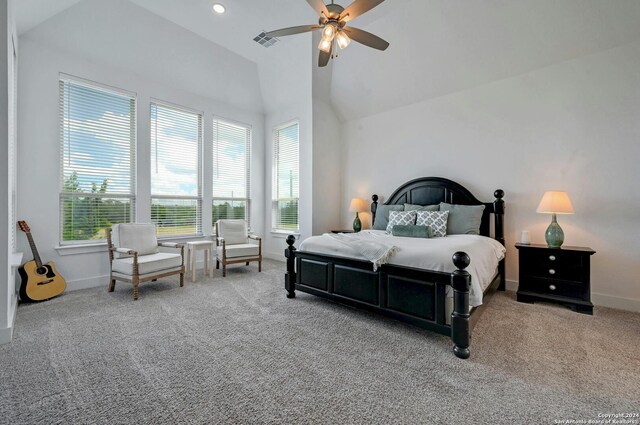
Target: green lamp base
357, 224
554, 235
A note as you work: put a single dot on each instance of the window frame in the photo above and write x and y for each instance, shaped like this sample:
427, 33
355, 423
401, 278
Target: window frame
275, 171
199, 196
64, 79
247, 173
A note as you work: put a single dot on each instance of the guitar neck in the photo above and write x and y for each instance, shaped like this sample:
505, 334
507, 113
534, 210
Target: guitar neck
34, 250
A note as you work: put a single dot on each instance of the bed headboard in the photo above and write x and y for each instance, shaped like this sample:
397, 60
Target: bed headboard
433, 190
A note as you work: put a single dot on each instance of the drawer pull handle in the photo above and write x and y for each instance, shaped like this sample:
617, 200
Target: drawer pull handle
552, 257
552, 287
552, 271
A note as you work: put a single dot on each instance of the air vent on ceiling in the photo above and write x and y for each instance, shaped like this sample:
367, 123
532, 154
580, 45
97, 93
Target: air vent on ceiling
265, 40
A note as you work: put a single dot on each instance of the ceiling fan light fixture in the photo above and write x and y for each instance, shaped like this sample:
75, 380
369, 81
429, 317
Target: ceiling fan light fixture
343, 39
329, 31
325, 45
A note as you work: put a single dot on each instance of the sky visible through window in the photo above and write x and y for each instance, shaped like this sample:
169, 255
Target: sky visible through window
175, 137
97, 139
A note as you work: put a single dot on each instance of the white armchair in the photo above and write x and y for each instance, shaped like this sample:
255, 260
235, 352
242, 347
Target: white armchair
134, 256
233, 245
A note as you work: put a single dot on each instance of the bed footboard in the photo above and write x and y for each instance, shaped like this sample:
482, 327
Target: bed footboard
410, 295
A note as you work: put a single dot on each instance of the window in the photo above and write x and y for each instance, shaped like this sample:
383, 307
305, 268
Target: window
176, 197
231, 165
286, 177
97, 137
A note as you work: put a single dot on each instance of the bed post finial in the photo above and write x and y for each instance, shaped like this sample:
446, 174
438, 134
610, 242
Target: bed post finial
290, 276
461, 282
374, 208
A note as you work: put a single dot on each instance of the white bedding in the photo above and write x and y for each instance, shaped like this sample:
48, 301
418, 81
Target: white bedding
429, 254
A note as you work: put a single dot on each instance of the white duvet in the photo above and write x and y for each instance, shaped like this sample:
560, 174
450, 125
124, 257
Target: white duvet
428, 254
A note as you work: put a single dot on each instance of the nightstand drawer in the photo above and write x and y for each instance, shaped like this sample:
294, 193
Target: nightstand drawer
553, 266
552, 287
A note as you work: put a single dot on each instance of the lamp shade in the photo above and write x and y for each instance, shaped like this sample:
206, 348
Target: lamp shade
555, 203
357, 205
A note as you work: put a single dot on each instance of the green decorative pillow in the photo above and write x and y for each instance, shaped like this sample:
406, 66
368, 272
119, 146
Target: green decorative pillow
382, 215
463, 219
412, 231
414, 207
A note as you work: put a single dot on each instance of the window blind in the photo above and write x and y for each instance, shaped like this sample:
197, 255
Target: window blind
176, 144
97, 145
286, 177
231, 170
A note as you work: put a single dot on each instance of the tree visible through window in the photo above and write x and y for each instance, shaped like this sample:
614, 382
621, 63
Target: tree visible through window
231, 165
286, 177
97, 138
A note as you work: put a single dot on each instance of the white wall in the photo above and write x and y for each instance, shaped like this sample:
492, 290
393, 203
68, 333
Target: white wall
327, 168
8, 298
327, 148
38, 158
573, 126
286, 84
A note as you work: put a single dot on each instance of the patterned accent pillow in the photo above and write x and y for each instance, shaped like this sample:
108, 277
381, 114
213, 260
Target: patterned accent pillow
436, 219
400, 217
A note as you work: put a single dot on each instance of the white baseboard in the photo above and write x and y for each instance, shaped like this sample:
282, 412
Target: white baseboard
89, 282
274, 256
628, 304
6, 334
97, 281
512, 285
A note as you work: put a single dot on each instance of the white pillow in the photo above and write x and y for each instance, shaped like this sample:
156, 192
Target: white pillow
138, 237
436, 219
400, 217
234, 231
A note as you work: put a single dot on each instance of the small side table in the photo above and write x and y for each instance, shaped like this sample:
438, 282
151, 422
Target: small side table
342, 231
560, 275
192, 249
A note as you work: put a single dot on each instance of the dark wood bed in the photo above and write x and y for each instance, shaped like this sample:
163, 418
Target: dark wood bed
412, 295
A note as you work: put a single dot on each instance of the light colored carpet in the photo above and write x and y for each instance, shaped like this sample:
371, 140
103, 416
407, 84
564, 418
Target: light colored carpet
235, 350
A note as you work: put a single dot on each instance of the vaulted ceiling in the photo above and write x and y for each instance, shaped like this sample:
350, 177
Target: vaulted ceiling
437, 46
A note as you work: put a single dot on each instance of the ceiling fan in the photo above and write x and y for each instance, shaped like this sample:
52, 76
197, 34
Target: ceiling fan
333, 23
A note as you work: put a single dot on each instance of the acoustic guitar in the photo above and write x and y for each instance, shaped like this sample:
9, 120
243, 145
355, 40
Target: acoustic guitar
40, 281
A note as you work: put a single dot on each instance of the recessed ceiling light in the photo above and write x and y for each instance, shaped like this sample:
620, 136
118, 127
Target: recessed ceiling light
218, 8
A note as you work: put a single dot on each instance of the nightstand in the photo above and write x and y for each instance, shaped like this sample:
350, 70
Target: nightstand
560, 275
342, 231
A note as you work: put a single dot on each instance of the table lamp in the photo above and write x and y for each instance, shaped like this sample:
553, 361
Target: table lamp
357, 205
555, 203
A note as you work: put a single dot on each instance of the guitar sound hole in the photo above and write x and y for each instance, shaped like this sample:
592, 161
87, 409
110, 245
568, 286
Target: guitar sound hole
42, 270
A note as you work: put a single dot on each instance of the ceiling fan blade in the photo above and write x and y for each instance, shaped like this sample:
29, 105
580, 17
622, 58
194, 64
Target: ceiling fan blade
292, 30
319, 7
366, 38
324, 57
357, 8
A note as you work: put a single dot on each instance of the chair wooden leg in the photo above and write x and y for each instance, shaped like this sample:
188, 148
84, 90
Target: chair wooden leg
224, 269
259, 266
217, 264
112, 285
247, 263
135, 291
181, 280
